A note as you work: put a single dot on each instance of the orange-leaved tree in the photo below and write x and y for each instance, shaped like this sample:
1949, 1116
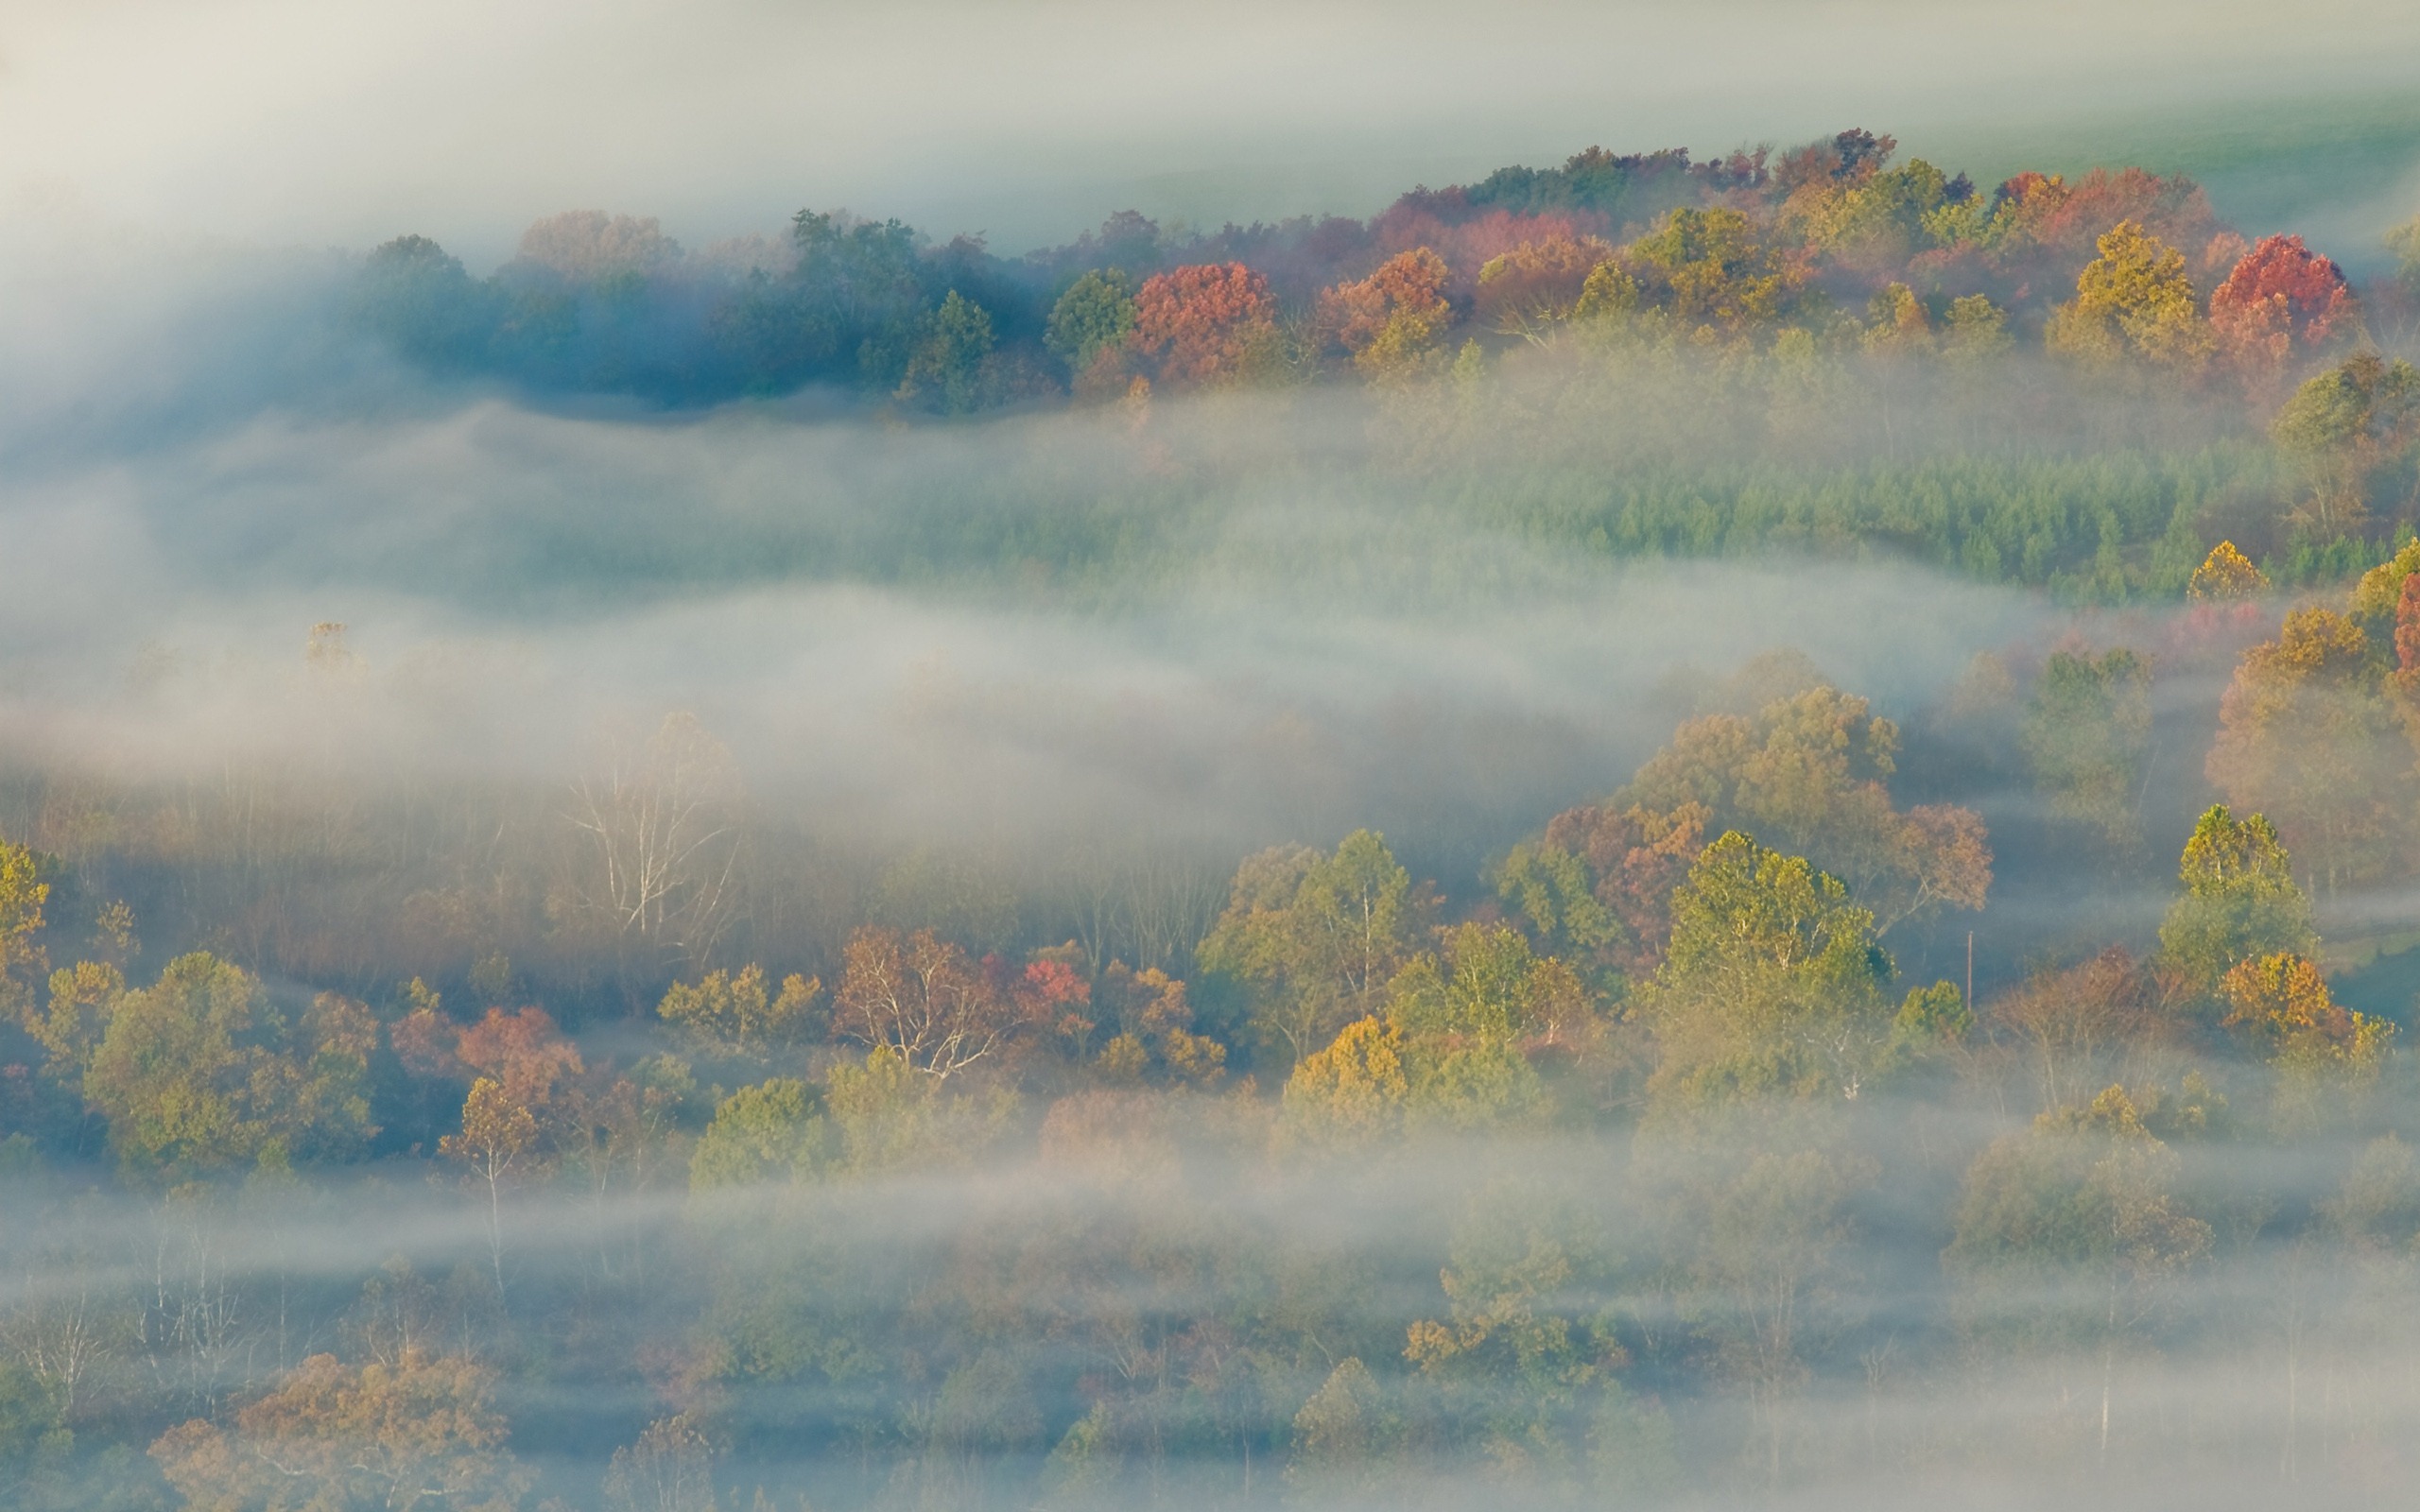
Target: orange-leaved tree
1206, 323
1390, 320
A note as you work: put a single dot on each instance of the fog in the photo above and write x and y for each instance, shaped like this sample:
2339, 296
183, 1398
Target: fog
288, 123
732, 939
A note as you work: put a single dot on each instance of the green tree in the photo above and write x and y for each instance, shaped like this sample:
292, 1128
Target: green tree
1096, 314
1314, 939
2346, 427
201, 1072
948, 368
1773, 983
765, 1132
2087, 735
2239, 901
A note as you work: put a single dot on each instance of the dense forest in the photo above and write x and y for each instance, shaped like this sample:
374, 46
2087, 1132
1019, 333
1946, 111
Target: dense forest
1647, 832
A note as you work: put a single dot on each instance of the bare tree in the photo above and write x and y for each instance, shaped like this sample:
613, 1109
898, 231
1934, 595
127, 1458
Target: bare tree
663, 840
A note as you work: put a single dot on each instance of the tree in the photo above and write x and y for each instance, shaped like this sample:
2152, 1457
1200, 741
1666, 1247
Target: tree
1467, 1017
419, 301
923, 1000
2225, 574
2346, 426
668, 1468
522, 1052
1353, 1092
2308, 735
499, 1134
2279, 1001
736, 1017
1528, 1345
1773, 983
2075, 1228
200, 1072
1344, 1436
1206, 323
949, 367
2406, 639
2239, 901
2134, 304
2078, 1025
2280, 304
23, 893
1153, 1024
1596, 886
1710, 268
2087, 735
1093, 319
1389, 321
1768, 1236
760, 1133
419, 1433
1536, 286
1314, 939
665, 841
1809, 771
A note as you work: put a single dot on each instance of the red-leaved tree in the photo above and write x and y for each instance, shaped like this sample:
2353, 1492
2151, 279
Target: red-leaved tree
2283, 302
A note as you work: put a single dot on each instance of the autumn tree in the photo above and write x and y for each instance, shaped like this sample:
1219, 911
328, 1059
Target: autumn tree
1767, 1233
2075, 1028
1709, 267
2241, 901
499, 1135
522, 1052
1528, 291
766, 1132
1596, 888
2278, 306
2134, 305
1526, 1356
420, 1433
1392, 320
2087, 736
1206, 323
23, 892
2225, 574
1808, 772
1313, 938
669, 1467
1152, 1023
1351, 1093
923, 1000
2308, 735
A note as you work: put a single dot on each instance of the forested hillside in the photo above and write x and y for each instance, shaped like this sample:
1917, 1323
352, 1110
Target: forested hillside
1646, 832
